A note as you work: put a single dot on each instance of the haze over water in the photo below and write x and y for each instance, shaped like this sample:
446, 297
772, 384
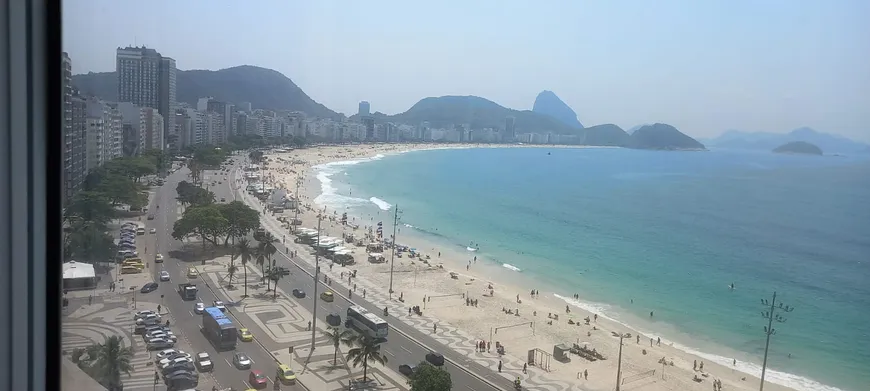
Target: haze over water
670, 230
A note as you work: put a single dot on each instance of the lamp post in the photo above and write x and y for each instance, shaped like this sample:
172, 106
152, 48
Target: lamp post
619, 361
393, 254
316, 274
296, 204
771, 316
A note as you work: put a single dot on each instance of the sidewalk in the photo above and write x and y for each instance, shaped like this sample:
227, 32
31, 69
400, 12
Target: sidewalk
286, 322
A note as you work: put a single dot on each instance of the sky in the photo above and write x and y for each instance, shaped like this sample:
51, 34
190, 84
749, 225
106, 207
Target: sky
702, 66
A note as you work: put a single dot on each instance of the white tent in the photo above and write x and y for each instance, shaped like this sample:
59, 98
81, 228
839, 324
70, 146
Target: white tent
77, 275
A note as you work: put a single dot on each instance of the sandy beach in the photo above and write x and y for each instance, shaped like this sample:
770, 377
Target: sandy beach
532, 319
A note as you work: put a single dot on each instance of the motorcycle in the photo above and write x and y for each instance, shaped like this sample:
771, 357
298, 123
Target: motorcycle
386, 312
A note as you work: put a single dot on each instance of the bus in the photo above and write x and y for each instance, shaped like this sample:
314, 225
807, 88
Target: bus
219, 329
366, 322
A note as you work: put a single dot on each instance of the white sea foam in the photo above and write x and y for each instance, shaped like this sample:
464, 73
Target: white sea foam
782, 378
328, 194
472, 249
511, 267
384, 205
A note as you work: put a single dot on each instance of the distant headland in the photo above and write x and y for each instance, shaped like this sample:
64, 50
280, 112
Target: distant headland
799, 147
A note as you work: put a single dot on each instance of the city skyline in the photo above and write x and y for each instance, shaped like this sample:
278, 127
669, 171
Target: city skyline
781, 67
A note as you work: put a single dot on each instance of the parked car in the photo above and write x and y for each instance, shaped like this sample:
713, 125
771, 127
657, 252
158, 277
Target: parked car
149, 287
408, 370
435, 359
143, 314
165, 353
159, 344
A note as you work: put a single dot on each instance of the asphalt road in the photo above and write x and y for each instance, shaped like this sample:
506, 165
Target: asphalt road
187, 325
398, 348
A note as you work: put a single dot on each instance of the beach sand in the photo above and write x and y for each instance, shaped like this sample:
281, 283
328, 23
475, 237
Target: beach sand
415, 279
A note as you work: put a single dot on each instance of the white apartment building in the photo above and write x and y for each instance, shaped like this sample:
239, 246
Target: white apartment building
104, 134
153, 128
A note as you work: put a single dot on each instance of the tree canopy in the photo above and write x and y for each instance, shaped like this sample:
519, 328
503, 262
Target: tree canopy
429, 378
190, 194
89, 206
241, 219
203, 221
88, 241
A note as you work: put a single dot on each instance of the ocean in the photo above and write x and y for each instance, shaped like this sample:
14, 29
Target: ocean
636, 231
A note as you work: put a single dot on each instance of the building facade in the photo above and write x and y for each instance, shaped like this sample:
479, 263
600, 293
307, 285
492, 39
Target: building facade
147, 79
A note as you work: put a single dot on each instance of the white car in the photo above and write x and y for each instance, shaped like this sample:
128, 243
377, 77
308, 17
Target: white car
220, 305
242, 361
164, 275
166, 353
177, 356
180, 360
198, 308
143, 314
158, 258
161, 334
153, 230
203, 361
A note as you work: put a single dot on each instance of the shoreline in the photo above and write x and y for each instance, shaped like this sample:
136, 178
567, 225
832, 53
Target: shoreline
313, 164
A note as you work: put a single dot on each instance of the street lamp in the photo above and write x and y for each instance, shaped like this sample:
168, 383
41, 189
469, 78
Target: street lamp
619, 360
316, 274
771, 316
296, 204
393, 254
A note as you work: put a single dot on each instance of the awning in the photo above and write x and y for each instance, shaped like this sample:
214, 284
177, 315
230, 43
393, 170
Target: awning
76, 270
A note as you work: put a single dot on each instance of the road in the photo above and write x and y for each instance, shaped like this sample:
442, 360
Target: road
399, 348
187, 324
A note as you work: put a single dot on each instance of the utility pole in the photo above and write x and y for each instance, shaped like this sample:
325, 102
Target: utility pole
771, 316
619, 361
393, 255
316, 274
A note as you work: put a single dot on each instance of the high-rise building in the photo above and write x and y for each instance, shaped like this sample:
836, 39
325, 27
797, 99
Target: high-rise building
74, 166
364, 108
147, 79
510, 130
104, 134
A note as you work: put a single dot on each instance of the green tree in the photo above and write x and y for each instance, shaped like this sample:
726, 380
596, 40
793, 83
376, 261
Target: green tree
196, 169
106, 362
261, 258
204, 221
89, 206
337, 336
429, 378
132, 167
245, 255
209, 157
256, 156
88, 242
117, 188
231, 270
241, 217
364, 349
158, 158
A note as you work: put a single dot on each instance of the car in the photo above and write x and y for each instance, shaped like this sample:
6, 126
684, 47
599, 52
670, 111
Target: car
223, 199
177, 359
220, 305
149, 287
203, 361
150, 217
327, 296
145, 330
174, 356
159, 344
164, 275
198, 308
165, 353
435, 359
245, 335
192, 273
242, 361
148, 320
181, 379
257, 379
162, 334
143, 314
188, 367
286, 375
153, 230
298, 293
407, 370
158, 258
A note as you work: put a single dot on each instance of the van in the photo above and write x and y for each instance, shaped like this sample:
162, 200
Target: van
130, 270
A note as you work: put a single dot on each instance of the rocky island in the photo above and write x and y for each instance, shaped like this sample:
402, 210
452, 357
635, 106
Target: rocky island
799, 147
663, 137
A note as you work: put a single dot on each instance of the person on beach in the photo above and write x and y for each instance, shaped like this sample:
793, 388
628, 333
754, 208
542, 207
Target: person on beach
499, 366
695, 365
434, 328
658, 341
525, 367
585, 375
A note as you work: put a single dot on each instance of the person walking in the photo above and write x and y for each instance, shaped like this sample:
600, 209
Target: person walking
499, 366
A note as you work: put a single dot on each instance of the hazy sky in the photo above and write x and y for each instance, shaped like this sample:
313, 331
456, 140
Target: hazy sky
702, 66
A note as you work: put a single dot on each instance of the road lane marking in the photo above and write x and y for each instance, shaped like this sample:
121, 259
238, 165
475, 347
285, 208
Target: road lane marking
388, 352
403, 348
469, 387
228, 363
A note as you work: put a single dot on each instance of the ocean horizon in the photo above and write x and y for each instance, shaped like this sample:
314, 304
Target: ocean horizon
636, 231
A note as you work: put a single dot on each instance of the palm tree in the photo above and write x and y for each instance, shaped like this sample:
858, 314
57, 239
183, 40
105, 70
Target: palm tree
245, 255
261, 257
337, 336
195, 170
232, 269
366, 349
107, 361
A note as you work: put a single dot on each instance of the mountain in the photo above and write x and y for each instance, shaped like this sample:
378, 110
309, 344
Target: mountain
735, 139
633, 129
263, 88
799, 147
547, 103
608, 135
477, 112
662, 137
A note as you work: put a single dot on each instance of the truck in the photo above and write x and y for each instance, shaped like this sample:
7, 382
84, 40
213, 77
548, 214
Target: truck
219, 329
187, 291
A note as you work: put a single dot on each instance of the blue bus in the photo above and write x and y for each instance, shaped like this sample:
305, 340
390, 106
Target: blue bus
219, 329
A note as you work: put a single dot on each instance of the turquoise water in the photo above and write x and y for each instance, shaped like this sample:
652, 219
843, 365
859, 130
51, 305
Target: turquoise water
668, 230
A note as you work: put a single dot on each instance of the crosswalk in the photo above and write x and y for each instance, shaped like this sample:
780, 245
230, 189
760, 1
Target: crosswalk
83, 332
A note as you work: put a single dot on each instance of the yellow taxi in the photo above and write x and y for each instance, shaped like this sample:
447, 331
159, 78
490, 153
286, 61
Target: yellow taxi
192, 273
137, 263
286, 375
327, 296
245, 335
